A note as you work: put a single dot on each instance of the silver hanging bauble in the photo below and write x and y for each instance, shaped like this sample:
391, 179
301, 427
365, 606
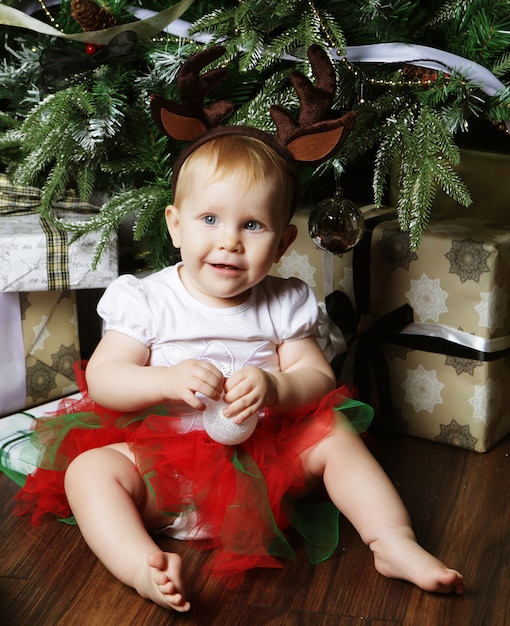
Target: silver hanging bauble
336, 224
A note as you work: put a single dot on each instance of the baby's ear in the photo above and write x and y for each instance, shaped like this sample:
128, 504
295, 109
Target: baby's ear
173, 224
287, 239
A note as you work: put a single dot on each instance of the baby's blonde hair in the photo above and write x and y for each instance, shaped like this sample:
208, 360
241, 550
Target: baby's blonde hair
250, 159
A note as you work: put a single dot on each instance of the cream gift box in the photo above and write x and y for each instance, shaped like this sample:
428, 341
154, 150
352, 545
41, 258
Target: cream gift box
486, 177
455, 400
324, 271
458, 285
39, 264
40, 344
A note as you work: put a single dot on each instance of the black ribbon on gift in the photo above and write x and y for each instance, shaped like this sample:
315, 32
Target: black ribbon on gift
438, 345
364, 338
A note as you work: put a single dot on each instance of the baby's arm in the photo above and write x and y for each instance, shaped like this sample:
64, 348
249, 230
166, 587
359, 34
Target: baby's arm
118, 377
305, 376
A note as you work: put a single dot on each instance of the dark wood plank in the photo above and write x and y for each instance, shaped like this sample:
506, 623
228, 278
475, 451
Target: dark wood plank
460, 505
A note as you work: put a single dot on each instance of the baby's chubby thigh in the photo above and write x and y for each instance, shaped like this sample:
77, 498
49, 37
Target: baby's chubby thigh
111, 472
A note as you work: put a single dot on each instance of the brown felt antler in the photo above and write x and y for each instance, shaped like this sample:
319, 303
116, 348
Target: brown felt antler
190, 119
314, 135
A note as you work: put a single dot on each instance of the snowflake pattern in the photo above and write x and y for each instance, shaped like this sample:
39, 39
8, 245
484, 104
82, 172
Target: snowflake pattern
456, 435
468, 259
297, 265
40, 381
395, 249
492, 308
463, 366
64, 359
427, 298
422, 389
486, 401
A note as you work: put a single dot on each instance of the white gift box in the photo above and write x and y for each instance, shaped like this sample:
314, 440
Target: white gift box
24, 259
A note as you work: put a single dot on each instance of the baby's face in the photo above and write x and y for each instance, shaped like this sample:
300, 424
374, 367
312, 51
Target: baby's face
229, 236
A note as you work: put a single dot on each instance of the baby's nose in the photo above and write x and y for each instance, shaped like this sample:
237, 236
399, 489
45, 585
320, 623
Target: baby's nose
231, 240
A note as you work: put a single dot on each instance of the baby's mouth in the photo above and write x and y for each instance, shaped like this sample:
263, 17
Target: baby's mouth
222, 266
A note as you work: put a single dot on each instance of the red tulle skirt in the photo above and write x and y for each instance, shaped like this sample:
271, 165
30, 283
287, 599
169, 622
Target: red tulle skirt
242, 498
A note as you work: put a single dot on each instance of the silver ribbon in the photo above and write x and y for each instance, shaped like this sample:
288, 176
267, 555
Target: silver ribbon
459, 337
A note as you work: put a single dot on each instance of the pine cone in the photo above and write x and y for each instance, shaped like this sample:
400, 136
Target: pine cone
90, 16
413, 72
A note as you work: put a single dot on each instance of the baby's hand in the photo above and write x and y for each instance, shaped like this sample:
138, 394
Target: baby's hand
191, 377
247, 392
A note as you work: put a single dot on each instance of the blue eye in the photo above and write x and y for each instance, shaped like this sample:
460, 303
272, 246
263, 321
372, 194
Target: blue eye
210, 220
252, 225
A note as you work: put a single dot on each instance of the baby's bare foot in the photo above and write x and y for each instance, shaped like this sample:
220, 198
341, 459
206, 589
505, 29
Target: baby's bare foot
162, 581
398, 555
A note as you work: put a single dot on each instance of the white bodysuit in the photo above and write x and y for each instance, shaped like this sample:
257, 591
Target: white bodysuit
159, 312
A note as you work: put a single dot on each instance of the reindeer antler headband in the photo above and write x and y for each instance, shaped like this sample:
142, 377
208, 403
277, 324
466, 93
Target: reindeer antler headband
312, 138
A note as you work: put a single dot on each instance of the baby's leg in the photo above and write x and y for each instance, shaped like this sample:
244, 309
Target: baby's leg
362, 491
113, 509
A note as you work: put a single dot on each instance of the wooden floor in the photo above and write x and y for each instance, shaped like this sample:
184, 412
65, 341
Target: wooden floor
460, 505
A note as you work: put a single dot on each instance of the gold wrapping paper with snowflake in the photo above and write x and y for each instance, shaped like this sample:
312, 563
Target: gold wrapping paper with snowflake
49, 348
458, 401
459, 277
451, 382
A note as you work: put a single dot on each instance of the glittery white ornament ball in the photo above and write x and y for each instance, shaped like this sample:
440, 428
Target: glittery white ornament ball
223, 429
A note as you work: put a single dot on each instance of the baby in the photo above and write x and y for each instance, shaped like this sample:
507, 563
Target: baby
217, 326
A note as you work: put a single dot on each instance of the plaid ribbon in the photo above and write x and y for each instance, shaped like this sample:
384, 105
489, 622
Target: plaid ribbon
57, 260
23, 199
26, 200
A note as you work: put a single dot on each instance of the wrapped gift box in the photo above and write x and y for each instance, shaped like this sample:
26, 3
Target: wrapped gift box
35, 255
450, 378
40, 344
459, 277
454, 400
486, 176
